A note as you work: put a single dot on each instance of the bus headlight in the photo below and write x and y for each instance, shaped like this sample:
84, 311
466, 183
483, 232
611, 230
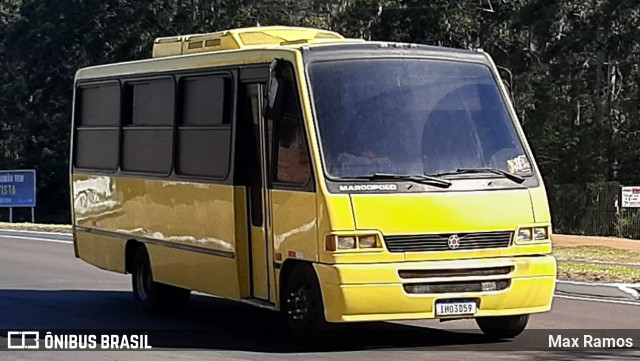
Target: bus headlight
533, 234
524, 235
540, 233
369, 241
346, 242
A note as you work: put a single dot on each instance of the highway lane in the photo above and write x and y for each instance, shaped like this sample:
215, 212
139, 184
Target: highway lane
42, 286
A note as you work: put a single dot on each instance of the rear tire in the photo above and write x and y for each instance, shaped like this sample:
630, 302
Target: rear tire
503, 326
155, 297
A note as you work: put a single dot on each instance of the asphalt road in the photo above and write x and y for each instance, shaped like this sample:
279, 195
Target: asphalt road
42, 286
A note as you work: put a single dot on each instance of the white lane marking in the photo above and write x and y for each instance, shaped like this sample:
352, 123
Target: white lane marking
596, 284
633, 290
598, 300
37, 239
17, 231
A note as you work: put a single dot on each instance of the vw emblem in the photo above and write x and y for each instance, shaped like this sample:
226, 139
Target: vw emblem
454, 241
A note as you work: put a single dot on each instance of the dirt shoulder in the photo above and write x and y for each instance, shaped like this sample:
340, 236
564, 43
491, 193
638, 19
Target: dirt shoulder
564, 240
56, 228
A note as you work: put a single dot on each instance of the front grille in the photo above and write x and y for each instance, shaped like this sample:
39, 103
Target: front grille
462, 272
440, 242
457, 287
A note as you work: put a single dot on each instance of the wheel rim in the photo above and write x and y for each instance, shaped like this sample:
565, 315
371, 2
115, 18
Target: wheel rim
302, 306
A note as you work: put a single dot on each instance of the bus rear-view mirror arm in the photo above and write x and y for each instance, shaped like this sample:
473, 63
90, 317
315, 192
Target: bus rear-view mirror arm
272, 92
507, 83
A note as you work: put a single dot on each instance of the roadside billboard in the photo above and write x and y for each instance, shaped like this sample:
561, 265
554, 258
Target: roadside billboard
630, 197
17, 188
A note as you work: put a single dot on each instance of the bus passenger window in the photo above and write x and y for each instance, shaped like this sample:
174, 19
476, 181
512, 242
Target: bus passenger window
97, 126
147, 144
292, 156
204, 131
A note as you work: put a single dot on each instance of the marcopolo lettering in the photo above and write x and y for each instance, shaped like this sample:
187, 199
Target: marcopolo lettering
367, 187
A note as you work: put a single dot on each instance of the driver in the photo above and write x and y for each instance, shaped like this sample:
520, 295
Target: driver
363, 163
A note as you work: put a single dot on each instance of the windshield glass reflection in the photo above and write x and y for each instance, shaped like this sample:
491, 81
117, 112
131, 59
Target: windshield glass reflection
412, 116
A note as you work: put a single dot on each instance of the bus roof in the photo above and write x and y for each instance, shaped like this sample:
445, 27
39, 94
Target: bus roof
189, 51
243, 38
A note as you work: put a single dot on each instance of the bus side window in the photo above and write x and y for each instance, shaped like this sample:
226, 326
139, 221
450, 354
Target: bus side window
97, 123
204, 127
147, 135
291, 153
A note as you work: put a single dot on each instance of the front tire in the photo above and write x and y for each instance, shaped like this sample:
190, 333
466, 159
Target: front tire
155, 297
303, 306
503, 326
303, 309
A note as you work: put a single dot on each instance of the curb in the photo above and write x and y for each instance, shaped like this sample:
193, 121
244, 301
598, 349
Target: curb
604, 290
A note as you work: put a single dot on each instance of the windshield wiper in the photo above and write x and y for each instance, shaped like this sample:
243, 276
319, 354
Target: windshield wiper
417, 178
514, 177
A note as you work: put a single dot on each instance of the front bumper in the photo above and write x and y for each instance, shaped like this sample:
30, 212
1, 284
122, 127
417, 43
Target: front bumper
375, 292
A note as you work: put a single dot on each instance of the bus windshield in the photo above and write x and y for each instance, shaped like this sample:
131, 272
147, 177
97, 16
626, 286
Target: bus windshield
412, 116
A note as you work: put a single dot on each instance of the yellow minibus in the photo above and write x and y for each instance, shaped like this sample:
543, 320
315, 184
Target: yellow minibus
335, 180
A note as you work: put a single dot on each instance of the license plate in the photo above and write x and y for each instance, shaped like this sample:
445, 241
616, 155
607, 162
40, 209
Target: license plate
453, 308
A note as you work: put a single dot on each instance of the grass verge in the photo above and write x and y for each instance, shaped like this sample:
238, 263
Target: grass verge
597, 254
58, 228
597, 273
597, 264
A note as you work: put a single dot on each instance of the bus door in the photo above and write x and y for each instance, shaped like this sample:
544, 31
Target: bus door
259, 216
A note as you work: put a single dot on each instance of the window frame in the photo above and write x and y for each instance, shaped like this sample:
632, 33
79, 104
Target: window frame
309, 185
232, 71
78, 128
126, 114
531, 180
229, 101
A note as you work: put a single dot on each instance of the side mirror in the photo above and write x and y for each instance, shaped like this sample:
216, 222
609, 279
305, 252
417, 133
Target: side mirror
274, 92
